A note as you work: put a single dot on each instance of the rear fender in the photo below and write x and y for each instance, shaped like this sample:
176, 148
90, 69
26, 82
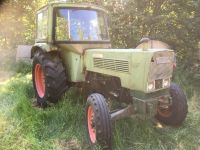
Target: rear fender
35, 49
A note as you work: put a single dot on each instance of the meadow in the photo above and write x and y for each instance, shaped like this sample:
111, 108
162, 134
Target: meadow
63, 126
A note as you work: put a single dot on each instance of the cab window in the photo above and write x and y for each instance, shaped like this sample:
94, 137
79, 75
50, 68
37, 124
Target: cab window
42, 18
80, 25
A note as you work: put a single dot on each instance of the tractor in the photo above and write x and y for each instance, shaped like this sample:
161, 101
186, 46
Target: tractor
73, 49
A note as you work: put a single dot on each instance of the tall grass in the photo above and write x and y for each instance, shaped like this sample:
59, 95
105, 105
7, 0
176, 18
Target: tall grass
34, 128
62, 126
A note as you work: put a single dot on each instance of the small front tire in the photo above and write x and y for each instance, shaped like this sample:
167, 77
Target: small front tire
98, 121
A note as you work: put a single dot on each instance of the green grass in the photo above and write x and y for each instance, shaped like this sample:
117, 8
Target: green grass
60, 127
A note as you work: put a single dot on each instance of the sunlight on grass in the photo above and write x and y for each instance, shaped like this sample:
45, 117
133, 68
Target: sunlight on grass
3, 85
3, 124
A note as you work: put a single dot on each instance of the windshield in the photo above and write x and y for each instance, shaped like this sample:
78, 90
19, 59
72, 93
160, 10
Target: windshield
80, 25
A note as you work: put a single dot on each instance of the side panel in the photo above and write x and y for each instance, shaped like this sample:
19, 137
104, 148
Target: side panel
74, 65
127, 64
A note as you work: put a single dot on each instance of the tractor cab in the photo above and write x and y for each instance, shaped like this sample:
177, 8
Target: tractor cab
75, 27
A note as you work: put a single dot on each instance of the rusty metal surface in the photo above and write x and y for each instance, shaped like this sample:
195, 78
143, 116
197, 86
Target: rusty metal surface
123, 113
162, 69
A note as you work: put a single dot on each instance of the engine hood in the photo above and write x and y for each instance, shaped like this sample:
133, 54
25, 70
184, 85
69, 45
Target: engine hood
134, 67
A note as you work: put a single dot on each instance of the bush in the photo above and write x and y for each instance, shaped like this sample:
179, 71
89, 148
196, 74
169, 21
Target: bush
22, 67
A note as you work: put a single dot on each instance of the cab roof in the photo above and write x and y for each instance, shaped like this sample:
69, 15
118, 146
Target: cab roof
73, 5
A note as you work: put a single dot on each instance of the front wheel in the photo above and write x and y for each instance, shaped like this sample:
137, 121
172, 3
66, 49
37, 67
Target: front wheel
176, 113
98, 121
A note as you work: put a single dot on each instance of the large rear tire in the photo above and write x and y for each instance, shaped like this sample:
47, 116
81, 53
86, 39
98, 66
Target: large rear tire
175, 114
49, 78
99, 121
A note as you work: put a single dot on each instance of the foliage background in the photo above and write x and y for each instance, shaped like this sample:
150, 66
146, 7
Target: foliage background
176, 22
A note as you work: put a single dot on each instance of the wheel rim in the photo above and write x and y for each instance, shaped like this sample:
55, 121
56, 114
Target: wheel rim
91, 125
164, 112
39, 80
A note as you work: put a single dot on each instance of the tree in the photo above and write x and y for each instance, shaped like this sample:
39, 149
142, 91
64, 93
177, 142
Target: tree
17, 21
174, 22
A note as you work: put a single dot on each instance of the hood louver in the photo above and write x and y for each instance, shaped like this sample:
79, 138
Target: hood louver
112, 64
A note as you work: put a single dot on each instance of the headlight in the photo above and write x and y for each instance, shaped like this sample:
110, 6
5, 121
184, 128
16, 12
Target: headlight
166, 83
151, 86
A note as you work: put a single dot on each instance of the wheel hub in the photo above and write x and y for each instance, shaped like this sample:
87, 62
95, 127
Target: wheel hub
91, 124
165, 107
39, 80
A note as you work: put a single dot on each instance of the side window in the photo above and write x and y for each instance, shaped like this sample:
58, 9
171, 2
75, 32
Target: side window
42, 19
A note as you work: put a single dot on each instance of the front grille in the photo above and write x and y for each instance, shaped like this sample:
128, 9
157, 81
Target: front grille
158, 84
159, 69
111, 64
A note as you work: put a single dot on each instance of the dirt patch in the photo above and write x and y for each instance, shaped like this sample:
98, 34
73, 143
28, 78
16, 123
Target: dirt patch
68, 145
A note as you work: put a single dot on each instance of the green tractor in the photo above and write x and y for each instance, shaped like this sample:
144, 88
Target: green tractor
73, 48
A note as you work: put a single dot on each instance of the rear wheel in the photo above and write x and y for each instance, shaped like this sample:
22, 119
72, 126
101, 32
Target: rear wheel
98, 121
49, 78
176, 113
